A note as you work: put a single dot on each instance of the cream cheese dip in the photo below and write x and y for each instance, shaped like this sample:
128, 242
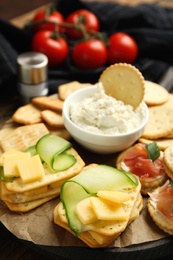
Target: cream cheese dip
104, 114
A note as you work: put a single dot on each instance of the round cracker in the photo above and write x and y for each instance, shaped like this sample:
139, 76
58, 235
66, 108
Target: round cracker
155, 94
160, 220
162, 143
169, 102
124, 82
167, 161
160, 122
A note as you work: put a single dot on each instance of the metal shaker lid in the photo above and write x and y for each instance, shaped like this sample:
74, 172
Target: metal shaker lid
32, 67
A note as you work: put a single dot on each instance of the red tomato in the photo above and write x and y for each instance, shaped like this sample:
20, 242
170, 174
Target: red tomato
87, 18
90, 54
56, 50
122, 48
55, 16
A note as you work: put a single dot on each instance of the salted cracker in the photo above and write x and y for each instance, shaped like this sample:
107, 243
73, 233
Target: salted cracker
27, 115
102, 233
52, 118
65, 90
162, 143
28, 206
49, 178
51, 103
168, 161
169, 102
62, 132
155, 94
160, 122
124, 82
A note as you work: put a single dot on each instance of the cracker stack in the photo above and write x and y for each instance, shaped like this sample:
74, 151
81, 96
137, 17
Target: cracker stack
101, 216
160, 124
26, 180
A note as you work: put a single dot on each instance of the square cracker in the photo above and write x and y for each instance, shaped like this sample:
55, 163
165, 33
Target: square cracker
49, 178
28, 206
27, 115
23, 136
51, 103
102, 233
62, 132
52, 118
65, 90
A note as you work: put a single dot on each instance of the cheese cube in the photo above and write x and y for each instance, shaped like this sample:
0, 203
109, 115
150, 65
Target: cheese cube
31, 169
10, 160
85, 212
114, 196
105, 211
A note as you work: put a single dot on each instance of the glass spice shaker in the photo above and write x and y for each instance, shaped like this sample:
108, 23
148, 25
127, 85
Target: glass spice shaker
32, 76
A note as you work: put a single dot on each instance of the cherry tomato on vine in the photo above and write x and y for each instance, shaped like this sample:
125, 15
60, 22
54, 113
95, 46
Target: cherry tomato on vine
56, 50
54, 16
88, 19
89, 54
122, 48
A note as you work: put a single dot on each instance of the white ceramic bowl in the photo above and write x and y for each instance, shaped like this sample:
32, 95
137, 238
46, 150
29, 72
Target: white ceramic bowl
98, 143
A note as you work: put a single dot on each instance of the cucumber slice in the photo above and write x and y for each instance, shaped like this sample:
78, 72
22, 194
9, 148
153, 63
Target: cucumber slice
73, 194
49, 146
63, 161
111, 178
32, 150
88, 183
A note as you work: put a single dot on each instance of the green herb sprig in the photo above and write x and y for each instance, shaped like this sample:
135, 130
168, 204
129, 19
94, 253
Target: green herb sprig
153, 151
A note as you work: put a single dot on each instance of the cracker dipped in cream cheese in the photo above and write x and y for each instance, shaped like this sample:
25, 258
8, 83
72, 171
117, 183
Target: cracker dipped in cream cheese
104, 114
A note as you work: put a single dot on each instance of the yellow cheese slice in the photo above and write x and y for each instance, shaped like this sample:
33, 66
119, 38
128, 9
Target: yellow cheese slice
85, 212
114, 196
105, 211
31, 169
10, 160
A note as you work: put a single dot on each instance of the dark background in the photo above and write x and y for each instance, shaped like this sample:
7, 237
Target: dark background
13, 8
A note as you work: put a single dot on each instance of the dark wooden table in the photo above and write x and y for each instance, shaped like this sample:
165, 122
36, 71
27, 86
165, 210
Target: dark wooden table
12, 248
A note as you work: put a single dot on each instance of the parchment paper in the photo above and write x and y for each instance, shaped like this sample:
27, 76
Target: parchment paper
38, 227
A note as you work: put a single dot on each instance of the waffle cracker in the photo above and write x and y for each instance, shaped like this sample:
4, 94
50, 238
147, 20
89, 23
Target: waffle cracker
51, 103
124, 82
155, 94
27, 114
65, 90
23, 136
